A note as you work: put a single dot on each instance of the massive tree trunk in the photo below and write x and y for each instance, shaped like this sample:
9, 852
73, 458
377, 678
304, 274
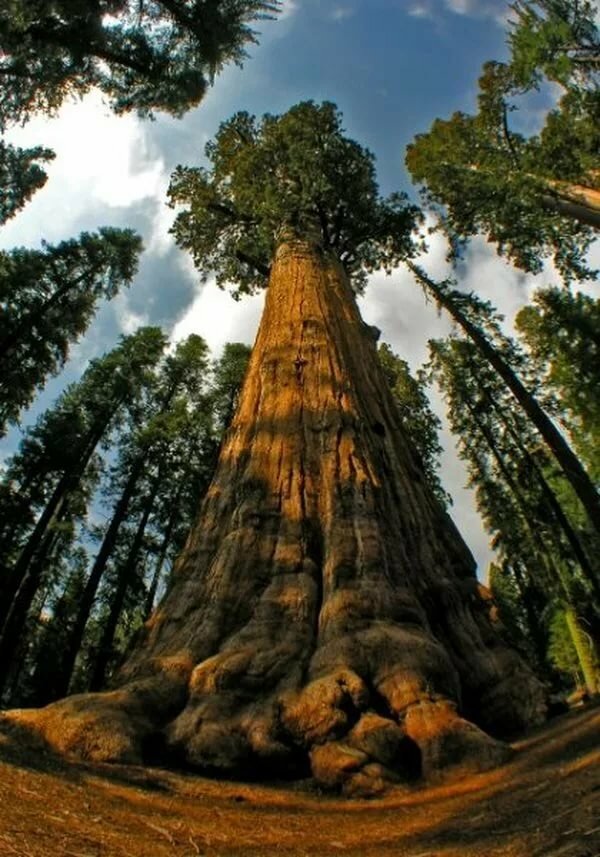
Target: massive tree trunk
324, 611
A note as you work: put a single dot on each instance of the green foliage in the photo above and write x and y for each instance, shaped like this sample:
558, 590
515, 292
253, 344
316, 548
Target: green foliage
490, 179
555, 38
228, 376
144, 56
59, 442
20, 176
48, 298
547, 555
47, 485
160, 420
293, 172
562, 332
421, 424
561, 650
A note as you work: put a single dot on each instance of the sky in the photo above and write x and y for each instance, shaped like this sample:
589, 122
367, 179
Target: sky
391, 66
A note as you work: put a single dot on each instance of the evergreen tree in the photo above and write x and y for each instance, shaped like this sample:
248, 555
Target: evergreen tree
541, 549
561, 330
556, 39
144, 56
67, 438
48, 298
20, 176
421, 424
143, 452
478, 320
533, 196
183, 443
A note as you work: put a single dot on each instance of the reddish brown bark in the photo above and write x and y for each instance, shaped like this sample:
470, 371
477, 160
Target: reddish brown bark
325, 610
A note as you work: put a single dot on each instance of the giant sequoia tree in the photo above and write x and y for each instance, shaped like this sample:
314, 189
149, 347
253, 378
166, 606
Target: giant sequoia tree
324, 611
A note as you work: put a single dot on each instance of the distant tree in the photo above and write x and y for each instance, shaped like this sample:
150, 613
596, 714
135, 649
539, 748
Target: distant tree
46, 636
183, 442
82, 419
144, 450
542, 550
421, 424
556, 39
49, 297
561, 330
20, 176
144, 56
480, 323
534, 196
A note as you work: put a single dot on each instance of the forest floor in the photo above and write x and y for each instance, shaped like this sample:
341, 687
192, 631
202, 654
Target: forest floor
544, 803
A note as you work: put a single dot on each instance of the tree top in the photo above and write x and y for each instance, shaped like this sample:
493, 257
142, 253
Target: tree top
297, 171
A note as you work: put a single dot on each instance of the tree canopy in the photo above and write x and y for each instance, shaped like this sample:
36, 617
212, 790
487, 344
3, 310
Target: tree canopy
144, 56
557, 39
296, 171
534, 195
526, 194
20, 176
562, 332
48, 298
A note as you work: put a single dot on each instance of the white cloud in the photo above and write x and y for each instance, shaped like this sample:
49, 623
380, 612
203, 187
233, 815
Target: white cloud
498, 10
288, 8
339, 13
216, 316
101, 160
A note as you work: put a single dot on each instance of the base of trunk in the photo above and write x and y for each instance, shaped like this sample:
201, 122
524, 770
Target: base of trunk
349, 738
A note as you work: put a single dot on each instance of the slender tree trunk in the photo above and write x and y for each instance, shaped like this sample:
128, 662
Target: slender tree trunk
24, 577
536, 631
562, 452
325, 611
124, 579
15, 634
590, 572
162, 554
86, 602
537, 542
583, 649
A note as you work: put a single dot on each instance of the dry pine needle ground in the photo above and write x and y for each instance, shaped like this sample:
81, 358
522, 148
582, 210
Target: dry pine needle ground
545, 803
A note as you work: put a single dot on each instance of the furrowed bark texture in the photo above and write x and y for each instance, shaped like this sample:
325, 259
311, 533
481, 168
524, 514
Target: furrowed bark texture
325, 611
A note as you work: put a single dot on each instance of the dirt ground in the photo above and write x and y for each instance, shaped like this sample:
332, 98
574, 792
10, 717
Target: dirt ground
544, 803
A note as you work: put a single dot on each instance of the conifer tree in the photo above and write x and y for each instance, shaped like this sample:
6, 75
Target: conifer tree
421, 424
541, 549
20, 176
561, 330
535, 196
479, 322
144, 56
67, 438
49, 298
